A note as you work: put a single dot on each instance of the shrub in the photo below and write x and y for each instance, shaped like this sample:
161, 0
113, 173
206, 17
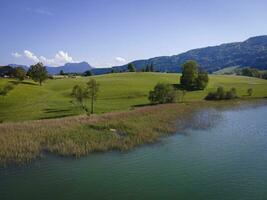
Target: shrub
250, 91
221, 94
19, 73
162, 93
6, 89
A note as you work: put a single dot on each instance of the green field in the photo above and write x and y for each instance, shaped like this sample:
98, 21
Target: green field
121, 91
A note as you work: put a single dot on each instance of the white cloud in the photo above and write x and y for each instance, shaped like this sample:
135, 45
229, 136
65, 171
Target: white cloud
59, 59
31, 56
43, 12
40, 11
120, 59
16, 55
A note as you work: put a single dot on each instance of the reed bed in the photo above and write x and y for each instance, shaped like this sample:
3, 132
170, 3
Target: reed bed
22, 142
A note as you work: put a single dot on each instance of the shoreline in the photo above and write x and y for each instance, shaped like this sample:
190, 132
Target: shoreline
76, 136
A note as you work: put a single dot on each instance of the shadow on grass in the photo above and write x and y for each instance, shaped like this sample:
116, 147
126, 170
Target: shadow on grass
51, 110
56, 116
25, 83
142, 105
50, 113
178, 86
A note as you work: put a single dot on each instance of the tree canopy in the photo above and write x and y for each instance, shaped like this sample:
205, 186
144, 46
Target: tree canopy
19, 73
38, 73
192, 78
131, 67
162, 93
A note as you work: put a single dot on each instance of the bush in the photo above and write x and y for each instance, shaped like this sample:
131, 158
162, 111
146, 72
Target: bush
162, 93
19, 73
250, 91
6, 89
221, 94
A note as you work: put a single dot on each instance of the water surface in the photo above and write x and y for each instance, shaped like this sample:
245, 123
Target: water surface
224, 158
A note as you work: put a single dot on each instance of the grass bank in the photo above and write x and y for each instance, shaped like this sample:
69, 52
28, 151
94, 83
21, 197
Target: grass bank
118, 92
76, 136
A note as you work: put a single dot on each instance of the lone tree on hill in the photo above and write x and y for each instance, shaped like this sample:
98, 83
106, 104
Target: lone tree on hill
131, 67
192, 78
38, 73
80, 94
19, 73
89, 92
93, 88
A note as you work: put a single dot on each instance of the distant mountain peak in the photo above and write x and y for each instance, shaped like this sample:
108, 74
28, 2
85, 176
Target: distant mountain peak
70, 68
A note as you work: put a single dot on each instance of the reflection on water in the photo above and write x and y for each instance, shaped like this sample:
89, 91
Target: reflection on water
222, 156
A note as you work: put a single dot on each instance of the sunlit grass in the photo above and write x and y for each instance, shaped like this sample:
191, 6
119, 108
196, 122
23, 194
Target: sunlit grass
118, 92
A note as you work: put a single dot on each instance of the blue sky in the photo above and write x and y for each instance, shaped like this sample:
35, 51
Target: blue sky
113, 32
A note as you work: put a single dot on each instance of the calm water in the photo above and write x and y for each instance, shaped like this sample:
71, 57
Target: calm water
225, 159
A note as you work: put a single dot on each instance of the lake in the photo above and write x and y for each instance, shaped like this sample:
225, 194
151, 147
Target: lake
221, 155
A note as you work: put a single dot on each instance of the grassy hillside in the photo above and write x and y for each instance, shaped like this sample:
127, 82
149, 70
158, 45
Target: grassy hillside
118, 92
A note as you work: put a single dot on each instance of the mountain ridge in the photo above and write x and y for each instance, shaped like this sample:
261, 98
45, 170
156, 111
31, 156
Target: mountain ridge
249, 53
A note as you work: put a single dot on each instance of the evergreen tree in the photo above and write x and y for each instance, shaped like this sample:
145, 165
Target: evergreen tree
131, 67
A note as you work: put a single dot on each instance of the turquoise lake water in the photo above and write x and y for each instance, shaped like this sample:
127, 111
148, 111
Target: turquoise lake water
223, 159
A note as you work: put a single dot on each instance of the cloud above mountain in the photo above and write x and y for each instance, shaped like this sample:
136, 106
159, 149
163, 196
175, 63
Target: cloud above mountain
16, 55
120, 60
59, 59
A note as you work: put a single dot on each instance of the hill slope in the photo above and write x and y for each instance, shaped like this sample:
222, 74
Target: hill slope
117, 92
252, 52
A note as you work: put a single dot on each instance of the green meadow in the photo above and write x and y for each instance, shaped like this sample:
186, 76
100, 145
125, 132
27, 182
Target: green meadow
118, 92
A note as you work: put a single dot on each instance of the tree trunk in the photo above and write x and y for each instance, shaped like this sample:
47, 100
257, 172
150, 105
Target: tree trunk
92, 106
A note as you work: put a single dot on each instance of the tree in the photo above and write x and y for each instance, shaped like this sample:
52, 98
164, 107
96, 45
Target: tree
250, 91
131, 67
162, 93
202, 80
38, 73
250, 72
151, 68
147, 68
89, 92
180, 95
192, 78
189, 75
80, 94
19, 73
61, 72
87, 73
93, 88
